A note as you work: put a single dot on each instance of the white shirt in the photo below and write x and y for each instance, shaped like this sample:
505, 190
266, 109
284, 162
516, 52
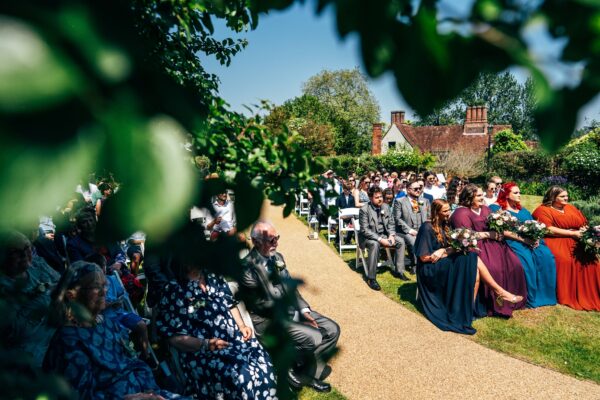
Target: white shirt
227, 214
436, 191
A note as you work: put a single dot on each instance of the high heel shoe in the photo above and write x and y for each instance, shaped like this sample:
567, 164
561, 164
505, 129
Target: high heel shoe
513, 300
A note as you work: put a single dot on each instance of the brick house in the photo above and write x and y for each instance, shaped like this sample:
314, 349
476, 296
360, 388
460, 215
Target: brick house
475, 136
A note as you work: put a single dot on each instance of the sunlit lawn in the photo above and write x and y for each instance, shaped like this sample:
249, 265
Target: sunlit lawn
555, 337
309, 394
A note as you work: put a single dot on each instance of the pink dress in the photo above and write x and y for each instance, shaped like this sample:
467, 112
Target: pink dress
501, 261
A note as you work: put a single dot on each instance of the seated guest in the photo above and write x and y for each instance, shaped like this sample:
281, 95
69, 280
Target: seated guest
426, 196
224, 222
388, 197
83, 243
410, 212
45, 246
30, 280
345, 200
399, 187
490, 194
218, 355
432, 186
116, 296
377, 231
503, 264
361, 196
265, 280
88, 352
577, 273
536, 258
454, 188
449, 281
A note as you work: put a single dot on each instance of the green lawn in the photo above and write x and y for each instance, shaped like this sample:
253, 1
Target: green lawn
554, 337
309, 394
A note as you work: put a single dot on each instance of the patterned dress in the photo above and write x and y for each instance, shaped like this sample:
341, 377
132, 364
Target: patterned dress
96, 364
241, 371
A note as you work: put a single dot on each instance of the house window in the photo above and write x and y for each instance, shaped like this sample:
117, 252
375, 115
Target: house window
391, 145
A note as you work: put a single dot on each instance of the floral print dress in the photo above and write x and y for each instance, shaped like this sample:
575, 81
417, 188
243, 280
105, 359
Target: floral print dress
241, 371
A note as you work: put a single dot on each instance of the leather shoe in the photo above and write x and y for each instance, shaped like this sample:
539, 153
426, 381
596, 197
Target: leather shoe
326, 372
294, 380
401, 276
373, 284
320, 386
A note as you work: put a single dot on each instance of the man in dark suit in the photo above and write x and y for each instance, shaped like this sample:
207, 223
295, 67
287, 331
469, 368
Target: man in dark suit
409, 213
345, 200
377, 231
314, 335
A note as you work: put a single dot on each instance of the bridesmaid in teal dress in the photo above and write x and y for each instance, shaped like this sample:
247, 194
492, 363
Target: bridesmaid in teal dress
536, 258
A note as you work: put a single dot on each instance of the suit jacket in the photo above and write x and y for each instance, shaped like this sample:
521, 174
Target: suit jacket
428, 197
367, 218
342, 203
266, 288
406, 218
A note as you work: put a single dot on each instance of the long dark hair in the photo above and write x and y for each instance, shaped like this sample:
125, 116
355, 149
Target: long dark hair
552, 194
453, 188
467, 195
437, 222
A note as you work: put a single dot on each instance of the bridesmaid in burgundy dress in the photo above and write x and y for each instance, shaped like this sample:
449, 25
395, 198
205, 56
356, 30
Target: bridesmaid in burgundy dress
503, 264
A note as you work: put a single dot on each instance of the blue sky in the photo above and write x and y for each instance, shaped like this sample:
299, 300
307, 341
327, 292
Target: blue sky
289, 47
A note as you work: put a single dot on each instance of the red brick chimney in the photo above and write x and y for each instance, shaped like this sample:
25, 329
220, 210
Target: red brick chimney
476, 122
377, 136
397, 117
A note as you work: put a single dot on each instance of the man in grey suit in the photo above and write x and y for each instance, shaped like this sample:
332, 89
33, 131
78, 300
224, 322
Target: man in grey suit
377, 231
267, 279
410, 212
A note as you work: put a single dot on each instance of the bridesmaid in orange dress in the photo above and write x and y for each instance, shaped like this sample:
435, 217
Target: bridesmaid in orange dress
577, 273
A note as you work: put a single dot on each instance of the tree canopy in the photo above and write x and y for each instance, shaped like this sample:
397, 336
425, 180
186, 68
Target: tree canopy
346, 92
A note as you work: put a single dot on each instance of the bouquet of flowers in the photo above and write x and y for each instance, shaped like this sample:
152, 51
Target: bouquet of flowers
463, 240
532, 229
501, 221
591, 239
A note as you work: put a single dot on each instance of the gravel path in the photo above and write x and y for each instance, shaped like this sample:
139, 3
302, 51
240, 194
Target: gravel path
388, 352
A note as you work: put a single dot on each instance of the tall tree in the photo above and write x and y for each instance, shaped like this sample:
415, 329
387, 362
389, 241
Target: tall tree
347, 92
508, 102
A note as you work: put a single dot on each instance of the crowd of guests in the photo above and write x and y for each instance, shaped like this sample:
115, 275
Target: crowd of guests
412, 216
70, 315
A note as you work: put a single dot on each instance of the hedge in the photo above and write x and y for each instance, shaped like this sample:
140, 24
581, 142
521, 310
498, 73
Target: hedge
402, 160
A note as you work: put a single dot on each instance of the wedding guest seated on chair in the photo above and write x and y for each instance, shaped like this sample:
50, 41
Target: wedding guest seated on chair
536, 258
264, 281
219, 357
88, 352
410, 212
345, 200
377, 231
448, 281
32, 280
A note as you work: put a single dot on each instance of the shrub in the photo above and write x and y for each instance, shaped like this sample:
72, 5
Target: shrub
523, 164
461, 162
508, 141
590, 208
392, 161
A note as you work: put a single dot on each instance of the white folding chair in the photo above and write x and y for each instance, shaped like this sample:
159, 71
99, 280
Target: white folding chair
347, 222
331, 222
304, 205
234, 287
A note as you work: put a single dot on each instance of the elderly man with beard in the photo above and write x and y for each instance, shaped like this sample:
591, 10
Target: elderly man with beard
267, 279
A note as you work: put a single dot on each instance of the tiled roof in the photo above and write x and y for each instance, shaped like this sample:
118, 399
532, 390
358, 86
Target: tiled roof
444, 138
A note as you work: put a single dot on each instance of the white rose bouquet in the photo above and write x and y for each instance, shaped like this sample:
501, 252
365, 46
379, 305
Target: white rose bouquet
591, 240
532, 229
501, 221
463, 240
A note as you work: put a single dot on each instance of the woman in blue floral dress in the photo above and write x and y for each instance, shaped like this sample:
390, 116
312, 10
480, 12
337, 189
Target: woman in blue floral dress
217, 352
90, 353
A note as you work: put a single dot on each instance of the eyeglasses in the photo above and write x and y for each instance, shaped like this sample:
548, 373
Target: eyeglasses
416, 189
366, 181
377, 180
274, 239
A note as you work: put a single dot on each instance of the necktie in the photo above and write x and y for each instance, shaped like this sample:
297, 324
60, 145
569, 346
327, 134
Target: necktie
415, 205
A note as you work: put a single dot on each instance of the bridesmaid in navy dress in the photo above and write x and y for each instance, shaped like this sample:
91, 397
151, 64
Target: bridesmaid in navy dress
502, 263
536, 258
448, 281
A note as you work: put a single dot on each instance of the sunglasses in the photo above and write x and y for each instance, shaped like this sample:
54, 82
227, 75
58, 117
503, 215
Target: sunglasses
416, 189
273, 239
